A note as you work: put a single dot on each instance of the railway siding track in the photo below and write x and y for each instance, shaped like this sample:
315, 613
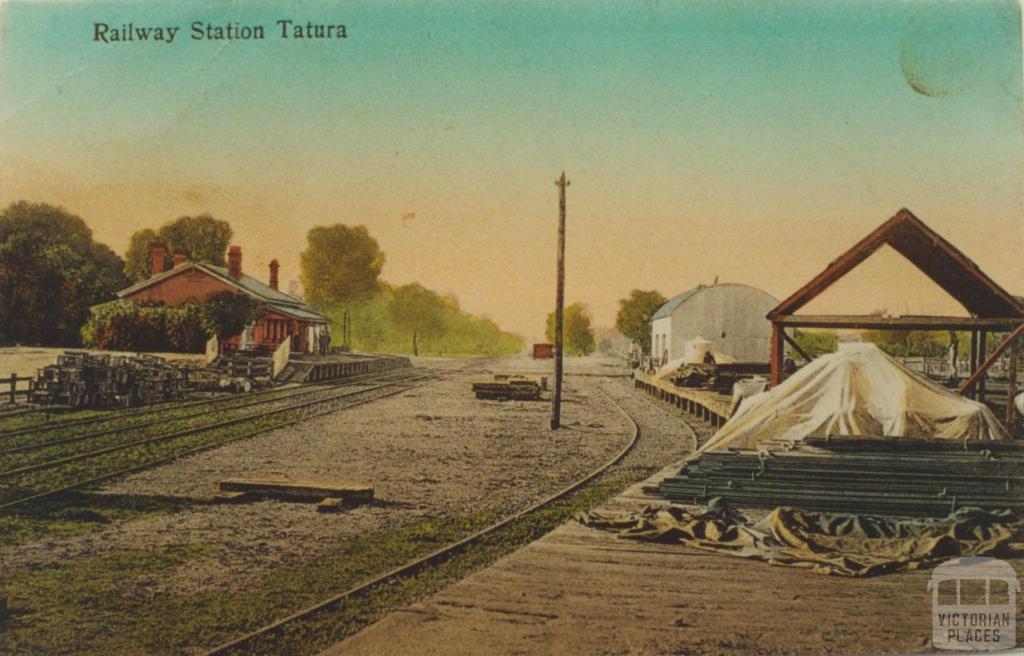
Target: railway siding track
257, 641
39, 481
164, 411
168, 419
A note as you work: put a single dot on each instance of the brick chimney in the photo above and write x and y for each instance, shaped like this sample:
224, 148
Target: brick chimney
156, 258
235, 262
274, 266
180, 258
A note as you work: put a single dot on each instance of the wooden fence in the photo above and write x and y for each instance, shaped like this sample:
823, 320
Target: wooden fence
11, 383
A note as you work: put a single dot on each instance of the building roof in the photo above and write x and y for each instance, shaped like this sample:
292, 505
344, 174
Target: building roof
670, 306
938, 259
297, 311
274, 299
673, 303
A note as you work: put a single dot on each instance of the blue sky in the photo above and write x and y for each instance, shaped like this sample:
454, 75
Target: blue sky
702, 138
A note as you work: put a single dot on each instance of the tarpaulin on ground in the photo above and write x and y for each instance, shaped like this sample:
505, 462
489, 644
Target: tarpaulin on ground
857, 391
828, 543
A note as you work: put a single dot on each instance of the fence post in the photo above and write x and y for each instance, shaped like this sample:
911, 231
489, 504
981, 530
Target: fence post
14, 386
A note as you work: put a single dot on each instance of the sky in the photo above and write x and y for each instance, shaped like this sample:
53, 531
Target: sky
747, 142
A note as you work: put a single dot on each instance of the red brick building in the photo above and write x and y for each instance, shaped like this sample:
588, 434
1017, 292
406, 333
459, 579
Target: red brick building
281, 316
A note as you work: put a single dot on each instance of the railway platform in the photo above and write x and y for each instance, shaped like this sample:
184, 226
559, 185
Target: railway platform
706, 405
584, 591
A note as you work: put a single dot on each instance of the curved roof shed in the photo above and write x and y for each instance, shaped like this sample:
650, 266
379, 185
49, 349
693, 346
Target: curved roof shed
730, 315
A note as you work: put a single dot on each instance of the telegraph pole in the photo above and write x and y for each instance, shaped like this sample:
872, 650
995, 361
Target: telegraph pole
556, 395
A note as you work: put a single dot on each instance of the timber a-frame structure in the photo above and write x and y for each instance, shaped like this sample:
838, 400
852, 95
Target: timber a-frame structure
992, 309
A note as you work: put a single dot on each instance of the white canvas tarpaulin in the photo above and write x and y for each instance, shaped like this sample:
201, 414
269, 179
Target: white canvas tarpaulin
857, 391
693, 353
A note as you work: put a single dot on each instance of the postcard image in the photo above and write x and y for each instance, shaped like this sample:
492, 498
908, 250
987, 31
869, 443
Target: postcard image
496, 328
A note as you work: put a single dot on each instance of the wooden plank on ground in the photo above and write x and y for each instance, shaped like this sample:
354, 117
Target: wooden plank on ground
231, 497
299, 489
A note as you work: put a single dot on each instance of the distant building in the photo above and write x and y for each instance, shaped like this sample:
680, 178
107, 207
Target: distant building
281, 316
542, 350
730, 316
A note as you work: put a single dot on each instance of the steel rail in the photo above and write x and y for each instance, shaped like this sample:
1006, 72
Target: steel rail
439, 554
247, 402
402, 387
51, 464
18, 412
164, 406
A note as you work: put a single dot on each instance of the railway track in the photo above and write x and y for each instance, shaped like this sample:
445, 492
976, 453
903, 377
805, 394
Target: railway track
125, 458
18, 412
242, 644
234, 404
162, 409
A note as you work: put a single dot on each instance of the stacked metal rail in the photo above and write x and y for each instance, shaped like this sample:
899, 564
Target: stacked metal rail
859, 475
80, 379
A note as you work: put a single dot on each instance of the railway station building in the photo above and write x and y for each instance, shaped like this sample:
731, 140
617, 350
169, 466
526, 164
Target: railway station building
280, 317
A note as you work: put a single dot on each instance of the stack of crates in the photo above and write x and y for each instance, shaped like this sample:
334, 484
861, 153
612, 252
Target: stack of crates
241, 364
83, 380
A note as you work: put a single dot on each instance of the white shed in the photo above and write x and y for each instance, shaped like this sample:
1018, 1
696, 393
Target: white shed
731, 316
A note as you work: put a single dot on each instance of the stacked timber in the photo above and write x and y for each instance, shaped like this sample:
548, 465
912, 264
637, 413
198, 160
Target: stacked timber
728, 374
331, 497
247, 364
859, 475
84, 380
510, 388
717, 377
540, 380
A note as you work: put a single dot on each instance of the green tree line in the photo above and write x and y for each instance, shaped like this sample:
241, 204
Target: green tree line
58, 287
51, 273
899, 343
201, 238
341, 274
577, 331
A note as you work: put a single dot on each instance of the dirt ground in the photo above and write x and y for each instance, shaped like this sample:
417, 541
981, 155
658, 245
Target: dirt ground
433, 451
581, 592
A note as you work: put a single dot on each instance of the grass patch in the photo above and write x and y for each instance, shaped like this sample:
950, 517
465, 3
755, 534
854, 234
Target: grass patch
78, 513
337, 623
80, 606
83, 607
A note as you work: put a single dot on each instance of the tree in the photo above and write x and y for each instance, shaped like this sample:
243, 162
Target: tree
229, 313
815, 343
634, 317
51, 272
137, 264
418, 312
341, 264
579, 336
202, 238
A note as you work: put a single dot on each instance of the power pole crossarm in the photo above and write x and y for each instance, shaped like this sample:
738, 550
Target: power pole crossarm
556, 395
